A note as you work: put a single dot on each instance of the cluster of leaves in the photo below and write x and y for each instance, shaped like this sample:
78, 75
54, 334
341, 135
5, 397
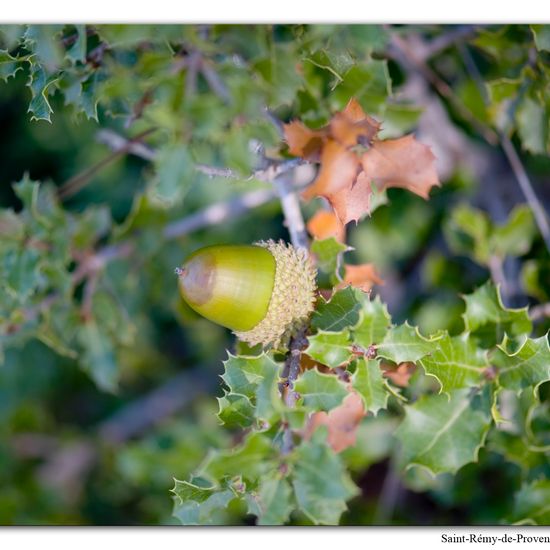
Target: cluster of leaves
89, 281
351, 369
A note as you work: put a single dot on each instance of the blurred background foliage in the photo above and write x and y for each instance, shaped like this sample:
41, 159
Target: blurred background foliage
108, 381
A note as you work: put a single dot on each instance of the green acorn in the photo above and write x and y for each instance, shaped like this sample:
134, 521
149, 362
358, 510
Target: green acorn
262, 292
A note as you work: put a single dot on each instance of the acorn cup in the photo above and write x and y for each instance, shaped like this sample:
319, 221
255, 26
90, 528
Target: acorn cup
263, 292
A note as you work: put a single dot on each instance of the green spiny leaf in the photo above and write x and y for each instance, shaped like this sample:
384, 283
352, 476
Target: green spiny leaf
456, 362
373, 324
531, 506
369, 383
443, 432
198, 505
405, 343
340, 312
320, 391
321, 484
98, 357
250, 461
255, 378
490, 320
330, 348
40, 85
276, 503
328, 253
528, 366
77, 51
174, 174
542, 36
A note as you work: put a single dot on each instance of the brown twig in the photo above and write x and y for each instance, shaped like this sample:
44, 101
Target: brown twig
78, 182
514, 160
539, 311
294, 220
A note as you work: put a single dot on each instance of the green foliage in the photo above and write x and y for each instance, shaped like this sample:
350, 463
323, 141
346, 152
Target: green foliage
442, 433
450, 392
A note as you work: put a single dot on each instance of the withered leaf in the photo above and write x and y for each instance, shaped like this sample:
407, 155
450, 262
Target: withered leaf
403, 162
304, 142
398, 374
362, 276
353, 126
342, 422
324, 224
348, 175
338, 171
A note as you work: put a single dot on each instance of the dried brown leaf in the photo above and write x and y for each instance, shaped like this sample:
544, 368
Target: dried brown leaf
362, 276
342, 422
398, 374
403, 162
337, 173
325, 224
302, 141
353, 126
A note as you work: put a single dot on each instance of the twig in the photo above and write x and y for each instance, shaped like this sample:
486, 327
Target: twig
294, 220
193, 65
290, 373
78, 182
495, 265
400, 49
388, 495
214, 81
117, 143
273, 169
162, 402
218, 212
539, 312
448, 39
520, 173
526, 187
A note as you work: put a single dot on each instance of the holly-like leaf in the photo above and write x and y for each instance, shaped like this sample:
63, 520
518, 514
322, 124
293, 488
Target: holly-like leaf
528, 366
532, 122
252, 383
321, 483
199, 505
443, 432
320, 391
490, 320
174, 174
98, 358
330, 348
542, 36
328, 256
275, 501
9, 65
340, 312
249, 461
531, 504
373, 324
342, 422
368, 381
456, 362
77, 51
40, 85
404, 343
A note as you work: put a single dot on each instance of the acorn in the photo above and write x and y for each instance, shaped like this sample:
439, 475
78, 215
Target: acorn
263, 292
